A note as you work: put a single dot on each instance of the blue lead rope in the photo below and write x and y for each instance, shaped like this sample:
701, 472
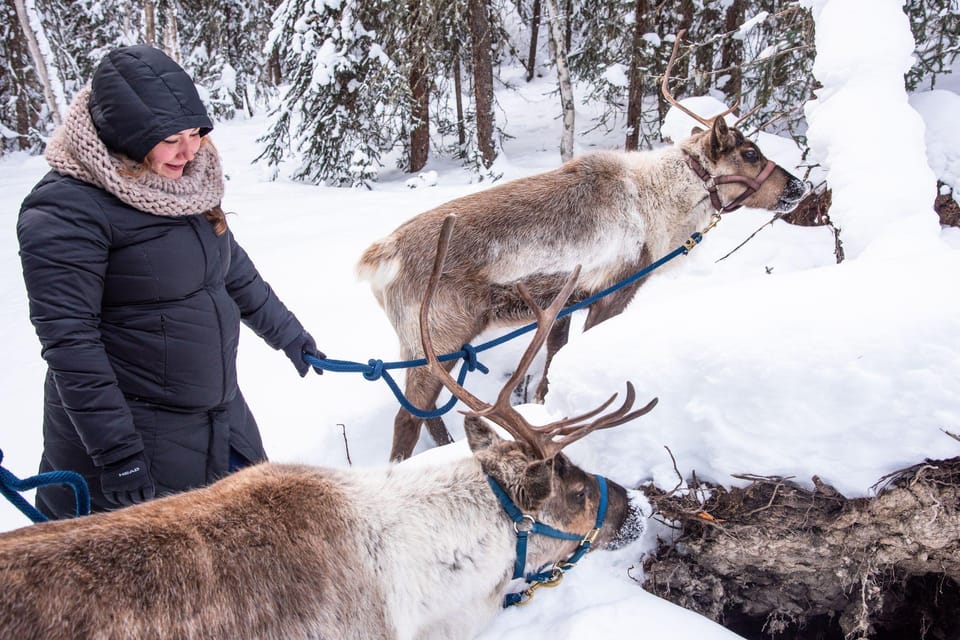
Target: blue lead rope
11, 486
376, 369
525, 524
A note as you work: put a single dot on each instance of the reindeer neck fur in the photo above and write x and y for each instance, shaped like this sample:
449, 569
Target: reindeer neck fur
672, 198
450, 543
440, 531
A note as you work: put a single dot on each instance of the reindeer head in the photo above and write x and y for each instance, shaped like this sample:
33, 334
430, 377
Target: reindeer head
554, 491
734, 170
530, 469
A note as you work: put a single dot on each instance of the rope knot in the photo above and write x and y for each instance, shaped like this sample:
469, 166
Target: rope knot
375, 370
470, 359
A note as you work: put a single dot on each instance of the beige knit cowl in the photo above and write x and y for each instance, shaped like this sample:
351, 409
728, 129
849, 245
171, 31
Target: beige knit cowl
76, 150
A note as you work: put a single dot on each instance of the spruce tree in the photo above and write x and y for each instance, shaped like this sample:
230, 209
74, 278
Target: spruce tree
936, 32
338, 111
222, 43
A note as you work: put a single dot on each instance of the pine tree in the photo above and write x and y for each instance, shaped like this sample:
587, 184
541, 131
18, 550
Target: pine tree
762, 58
223, 46
936, 31
339, 113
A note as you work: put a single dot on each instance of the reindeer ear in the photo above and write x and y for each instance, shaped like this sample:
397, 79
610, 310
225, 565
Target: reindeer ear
479, 434
721, 140
536, 484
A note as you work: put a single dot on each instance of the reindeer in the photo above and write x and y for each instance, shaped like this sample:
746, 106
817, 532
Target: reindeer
284, 552
613, 212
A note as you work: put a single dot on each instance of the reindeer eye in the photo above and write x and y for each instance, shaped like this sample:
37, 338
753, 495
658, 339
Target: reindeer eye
751, 155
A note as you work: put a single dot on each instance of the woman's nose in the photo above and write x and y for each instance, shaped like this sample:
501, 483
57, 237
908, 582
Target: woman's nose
188, 150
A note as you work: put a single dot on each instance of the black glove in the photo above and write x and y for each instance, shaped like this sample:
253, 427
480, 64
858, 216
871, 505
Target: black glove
127, 482
303, 345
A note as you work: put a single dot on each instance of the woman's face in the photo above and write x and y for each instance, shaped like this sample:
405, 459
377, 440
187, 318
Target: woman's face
173, 152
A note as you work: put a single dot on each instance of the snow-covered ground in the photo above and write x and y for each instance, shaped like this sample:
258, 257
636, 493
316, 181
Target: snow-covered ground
775, 360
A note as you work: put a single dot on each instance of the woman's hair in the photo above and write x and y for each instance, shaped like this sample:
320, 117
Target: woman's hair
215, 216
218, 219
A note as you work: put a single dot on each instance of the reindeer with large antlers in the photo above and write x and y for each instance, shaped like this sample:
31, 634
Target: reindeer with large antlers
613, 212
289, 552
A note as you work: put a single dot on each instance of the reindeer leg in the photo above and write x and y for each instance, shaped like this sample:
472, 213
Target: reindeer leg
422, 390
614, 304
406, 432
438, 431
557, 338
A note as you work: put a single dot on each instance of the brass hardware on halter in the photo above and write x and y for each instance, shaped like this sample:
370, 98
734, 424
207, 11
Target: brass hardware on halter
555, 577
694, 240
714, 219
591, 537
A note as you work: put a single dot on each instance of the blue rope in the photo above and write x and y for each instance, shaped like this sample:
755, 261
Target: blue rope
377, 369
11, 486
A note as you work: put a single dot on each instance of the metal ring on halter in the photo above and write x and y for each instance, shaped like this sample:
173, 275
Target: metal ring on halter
524, 518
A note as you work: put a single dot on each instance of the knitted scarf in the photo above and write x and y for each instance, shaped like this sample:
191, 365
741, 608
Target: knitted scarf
76, 150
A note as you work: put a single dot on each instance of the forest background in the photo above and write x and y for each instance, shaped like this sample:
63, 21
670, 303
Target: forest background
355, 86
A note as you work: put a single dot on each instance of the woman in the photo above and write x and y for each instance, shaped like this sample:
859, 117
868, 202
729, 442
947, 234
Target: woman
137, 289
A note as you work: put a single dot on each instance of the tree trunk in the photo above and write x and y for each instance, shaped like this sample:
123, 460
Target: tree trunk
702, 80
31, 33
681, 69
635, 86
149, 23
732, 53
776, 560
419, 91
534, 35
555, 25
481, 45
458, 99
171, 36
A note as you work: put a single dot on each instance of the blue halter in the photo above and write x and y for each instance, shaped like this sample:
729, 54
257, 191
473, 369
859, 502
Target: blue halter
525, 524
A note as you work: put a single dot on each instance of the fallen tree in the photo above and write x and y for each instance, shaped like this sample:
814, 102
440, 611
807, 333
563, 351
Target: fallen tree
775, 559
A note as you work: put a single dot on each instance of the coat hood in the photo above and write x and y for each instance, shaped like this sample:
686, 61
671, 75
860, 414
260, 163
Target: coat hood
139, 96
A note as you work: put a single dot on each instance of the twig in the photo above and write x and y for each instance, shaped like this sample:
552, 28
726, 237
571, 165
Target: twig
750, 237
773, 497
675, 470
346, 445
952, 435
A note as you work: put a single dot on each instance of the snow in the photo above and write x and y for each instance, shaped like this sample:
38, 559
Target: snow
774, 360
863, 94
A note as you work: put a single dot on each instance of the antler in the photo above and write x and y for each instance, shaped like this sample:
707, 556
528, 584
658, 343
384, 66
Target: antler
665, 89
546, 440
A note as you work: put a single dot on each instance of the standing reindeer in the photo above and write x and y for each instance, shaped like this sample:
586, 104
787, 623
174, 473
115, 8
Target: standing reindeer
284, 552
613, 212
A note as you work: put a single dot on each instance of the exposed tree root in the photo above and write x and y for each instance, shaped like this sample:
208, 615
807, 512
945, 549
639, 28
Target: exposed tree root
777, 560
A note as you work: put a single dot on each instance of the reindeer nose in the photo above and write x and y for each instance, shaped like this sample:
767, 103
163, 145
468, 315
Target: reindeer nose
797, 189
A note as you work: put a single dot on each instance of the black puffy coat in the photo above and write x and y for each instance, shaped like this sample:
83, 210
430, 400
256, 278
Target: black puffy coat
138, 316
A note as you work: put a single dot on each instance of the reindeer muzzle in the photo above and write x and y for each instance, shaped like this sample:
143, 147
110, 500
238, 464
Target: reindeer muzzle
712, 184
